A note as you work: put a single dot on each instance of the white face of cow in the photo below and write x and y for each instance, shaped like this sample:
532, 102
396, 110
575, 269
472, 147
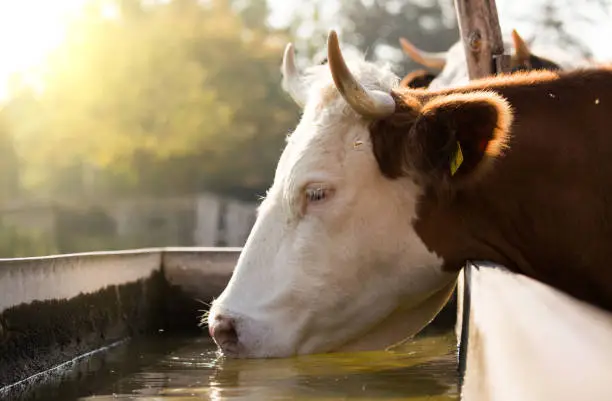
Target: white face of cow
333, 261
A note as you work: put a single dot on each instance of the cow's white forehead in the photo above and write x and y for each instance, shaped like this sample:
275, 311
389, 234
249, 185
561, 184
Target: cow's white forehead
326, 119
319, 83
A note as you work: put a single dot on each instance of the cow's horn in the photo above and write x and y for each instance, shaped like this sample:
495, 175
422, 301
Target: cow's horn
368, 103
291, 78
428, 59
520, 47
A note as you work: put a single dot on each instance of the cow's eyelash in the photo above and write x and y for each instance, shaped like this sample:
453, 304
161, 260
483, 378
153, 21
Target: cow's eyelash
316, 194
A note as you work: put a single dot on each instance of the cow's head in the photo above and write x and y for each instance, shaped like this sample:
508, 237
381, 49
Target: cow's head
333, 261
449, 68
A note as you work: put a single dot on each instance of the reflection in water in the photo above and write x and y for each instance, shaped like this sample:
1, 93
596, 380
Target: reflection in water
424, 368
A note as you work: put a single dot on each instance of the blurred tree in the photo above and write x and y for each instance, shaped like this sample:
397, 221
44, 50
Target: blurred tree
369, 24
554, 26
254, 13
181, 96
9, 162
375, 26
19, 242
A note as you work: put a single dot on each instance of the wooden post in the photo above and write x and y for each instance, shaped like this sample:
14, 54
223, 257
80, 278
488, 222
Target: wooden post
482, 38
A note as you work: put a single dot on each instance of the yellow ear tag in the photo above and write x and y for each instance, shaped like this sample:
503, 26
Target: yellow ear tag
457, 160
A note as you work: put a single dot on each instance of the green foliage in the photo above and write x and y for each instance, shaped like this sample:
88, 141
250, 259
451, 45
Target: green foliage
18, 242
84, 230
170, 97
9, 163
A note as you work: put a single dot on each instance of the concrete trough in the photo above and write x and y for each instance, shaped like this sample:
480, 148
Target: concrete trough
519, 339
53, 309
57, 308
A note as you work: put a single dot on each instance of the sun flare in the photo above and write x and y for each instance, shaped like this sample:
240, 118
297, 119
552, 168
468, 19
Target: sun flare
29, 31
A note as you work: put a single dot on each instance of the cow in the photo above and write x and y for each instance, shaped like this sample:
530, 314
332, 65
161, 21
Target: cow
383, 193
452, 66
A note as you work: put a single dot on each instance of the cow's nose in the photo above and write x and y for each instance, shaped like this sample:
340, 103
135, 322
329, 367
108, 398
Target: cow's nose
223, 331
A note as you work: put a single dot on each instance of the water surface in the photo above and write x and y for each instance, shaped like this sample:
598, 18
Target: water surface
180, 369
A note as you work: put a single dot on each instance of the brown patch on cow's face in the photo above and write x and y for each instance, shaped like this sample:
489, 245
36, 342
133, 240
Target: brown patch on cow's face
423, 137
389, 137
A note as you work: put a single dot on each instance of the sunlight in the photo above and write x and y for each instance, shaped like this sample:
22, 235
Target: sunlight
29, 31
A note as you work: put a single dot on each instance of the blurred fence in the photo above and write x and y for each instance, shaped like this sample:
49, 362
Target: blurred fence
40, 228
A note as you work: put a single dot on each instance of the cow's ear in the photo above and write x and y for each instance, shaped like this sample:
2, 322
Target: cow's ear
457, 136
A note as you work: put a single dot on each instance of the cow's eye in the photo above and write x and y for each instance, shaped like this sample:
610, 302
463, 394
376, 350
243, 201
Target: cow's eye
317, 193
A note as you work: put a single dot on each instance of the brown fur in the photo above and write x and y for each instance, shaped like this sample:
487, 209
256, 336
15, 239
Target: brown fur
544, 209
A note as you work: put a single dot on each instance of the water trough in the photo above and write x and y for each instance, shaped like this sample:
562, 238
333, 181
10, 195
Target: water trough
57, 308
519, 339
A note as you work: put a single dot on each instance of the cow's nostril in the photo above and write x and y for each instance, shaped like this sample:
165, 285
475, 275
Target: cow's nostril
223, 331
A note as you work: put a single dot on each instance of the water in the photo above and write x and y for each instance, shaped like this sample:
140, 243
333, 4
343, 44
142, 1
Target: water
180, 369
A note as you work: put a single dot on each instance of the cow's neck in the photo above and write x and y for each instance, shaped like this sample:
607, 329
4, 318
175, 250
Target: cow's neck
525, 238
